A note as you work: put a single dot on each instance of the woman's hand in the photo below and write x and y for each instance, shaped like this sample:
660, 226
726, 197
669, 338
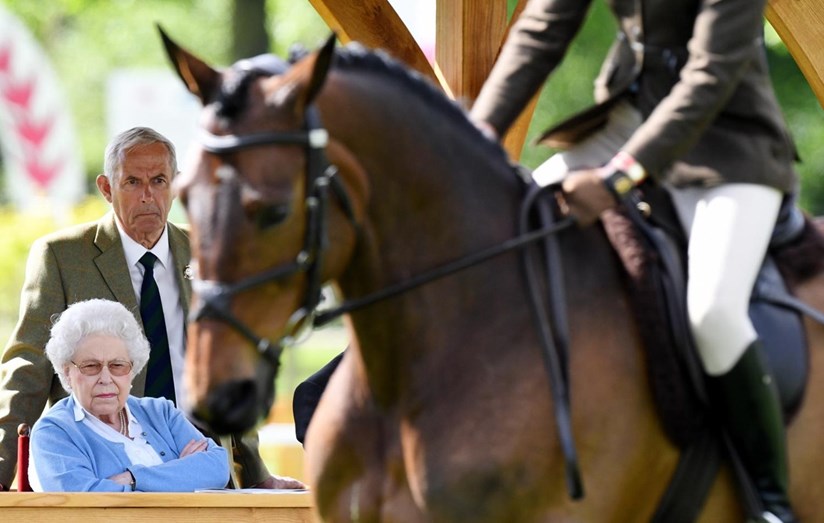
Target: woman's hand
193, 447
124, 478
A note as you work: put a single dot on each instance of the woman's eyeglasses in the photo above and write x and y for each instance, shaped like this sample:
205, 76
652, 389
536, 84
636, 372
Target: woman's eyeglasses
93, 368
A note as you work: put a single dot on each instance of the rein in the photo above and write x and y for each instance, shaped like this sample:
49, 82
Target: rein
520, 241
214, 296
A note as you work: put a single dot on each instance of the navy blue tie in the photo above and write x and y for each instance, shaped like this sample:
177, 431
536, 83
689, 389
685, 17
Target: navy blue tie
159, 378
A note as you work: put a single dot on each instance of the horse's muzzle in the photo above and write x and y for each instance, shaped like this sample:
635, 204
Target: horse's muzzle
232, 407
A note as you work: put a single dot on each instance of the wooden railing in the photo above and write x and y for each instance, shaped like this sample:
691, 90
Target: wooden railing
199, 507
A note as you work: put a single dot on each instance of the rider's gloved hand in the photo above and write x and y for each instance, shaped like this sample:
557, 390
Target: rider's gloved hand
589, 192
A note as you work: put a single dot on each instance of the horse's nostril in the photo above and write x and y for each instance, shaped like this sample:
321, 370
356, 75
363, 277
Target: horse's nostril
233, 407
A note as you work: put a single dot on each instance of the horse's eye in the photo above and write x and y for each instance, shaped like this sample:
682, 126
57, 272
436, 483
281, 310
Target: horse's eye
270, 215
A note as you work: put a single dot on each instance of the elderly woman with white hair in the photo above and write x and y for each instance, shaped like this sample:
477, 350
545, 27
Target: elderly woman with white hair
100, 438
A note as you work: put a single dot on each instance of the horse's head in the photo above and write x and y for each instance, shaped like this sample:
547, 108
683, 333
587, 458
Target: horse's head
255, 191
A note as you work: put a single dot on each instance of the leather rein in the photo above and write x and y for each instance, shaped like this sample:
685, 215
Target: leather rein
214, 297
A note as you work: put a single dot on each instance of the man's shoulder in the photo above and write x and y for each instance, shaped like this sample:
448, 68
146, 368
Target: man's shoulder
80, 233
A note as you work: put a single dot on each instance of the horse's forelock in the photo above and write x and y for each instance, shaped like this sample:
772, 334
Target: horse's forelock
232, 98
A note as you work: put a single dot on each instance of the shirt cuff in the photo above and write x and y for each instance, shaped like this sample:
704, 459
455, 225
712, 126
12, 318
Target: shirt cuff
625, 163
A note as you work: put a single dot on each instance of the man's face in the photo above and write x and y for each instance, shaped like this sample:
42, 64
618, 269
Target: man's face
140, 193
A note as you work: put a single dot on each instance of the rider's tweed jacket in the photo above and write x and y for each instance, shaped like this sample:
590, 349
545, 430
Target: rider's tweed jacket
697, 71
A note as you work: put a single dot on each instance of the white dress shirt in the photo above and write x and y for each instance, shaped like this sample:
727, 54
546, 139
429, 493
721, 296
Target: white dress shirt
169, 286
138, 449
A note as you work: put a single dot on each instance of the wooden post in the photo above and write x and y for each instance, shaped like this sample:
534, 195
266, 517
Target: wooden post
800, 24
467, 36
375, 24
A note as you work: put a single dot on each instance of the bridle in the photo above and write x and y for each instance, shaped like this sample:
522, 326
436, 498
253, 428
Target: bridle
214, 297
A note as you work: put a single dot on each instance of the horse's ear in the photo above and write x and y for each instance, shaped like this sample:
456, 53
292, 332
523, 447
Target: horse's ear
323, 60
200, 79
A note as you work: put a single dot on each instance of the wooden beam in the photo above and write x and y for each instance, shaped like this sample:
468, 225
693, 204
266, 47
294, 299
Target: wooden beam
800, 24
375, 24
469, 34
516, 136
467, 37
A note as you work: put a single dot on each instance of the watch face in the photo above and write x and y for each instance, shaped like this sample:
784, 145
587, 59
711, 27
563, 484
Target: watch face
622, 183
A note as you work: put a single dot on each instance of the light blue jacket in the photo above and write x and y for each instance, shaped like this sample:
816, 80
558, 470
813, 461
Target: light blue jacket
69, 456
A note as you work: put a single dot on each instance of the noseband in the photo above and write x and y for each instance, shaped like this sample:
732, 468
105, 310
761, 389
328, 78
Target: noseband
214, 297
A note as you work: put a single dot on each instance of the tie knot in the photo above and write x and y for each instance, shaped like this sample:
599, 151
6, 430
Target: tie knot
148, 260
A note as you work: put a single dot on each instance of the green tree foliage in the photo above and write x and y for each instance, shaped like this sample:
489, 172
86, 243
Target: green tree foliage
805, 117
87, 39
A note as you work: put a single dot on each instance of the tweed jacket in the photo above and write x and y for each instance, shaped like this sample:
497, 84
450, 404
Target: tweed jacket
75, 264
70, 457
696, 70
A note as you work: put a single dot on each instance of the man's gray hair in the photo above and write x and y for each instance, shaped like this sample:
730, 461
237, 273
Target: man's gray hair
126, 141
85, 318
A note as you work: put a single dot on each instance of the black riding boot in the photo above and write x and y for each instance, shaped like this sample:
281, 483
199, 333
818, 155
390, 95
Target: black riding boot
747, 402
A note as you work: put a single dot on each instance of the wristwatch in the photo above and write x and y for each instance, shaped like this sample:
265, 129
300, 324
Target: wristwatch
619, 183
132, 483
624, 174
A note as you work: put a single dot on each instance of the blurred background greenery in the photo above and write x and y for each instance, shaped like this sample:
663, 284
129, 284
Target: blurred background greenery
87, 39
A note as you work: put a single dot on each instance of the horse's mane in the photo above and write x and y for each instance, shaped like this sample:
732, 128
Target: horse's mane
354, 57
232, 98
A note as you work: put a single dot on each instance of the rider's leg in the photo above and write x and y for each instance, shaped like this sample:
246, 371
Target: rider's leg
729, 228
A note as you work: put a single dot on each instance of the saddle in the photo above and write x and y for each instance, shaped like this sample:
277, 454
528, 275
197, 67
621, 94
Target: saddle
651, 248
652, 251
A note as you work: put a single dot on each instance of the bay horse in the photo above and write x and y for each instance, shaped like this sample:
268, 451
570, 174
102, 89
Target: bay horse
441, 408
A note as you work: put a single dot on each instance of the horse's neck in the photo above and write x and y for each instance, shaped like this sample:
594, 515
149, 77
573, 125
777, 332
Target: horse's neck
434, 197
438, 194
435, 194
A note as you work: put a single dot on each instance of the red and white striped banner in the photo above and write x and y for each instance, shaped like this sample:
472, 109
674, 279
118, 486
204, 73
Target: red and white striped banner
41, 157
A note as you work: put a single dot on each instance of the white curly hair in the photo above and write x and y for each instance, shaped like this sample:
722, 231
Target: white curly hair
89, 317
